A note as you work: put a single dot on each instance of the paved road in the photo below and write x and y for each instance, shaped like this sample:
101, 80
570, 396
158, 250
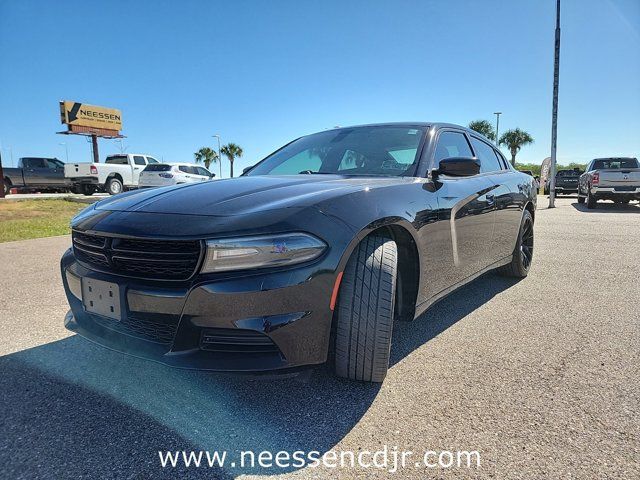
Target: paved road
541, 376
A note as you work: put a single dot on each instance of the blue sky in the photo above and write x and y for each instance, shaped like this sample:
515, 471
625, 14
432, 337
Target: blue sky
262, 73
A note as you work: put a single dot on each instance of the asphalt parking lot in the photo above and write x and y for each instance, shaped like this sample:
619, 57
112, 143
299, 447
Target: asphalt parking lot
540, 376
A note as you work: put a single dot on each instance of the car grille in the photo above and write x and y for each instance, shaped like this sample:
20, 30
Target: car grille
141, 258
156, 331
236, 340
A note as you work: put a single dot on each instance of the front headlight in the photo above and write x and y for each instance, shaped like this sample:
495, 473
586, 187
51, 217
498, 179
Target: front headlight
261, 251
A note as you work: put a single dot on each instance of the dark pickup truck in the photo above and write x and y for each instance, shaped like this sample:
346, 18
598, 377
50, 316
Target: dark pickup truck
36, 173
566, 182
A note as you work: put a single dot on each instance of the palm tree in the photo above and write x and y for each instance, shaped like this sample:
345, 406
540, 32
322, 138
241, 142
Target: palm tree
483, 127
514, 140
231, 151
207, 156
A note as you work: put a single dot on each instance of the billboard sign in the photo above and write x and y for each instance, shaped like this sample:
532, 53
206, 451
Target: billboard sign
85, 115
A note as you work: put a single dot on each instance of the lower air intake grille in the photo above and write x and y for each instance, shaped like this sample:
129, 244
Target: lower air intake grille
236, 340
156, 331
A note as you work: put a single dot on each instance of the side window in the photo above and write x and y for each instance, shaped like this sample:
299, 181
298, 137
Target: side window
485, 153
183, 169
34, 163
452, 144
203, 171
501, 159
138, 160
51, 163
152, 160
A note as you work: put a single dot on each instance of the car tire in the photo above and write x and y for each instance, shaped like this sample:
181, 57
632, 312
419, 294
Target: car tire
364, 315
6, 187
581, 199
114, 186
591, 200
522, 256
88, 190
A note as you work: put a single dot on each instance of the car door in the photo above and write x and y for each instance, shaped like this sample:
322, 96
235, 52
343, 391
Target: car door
139, 162
467, 205
55, 175
504, 194
35, 171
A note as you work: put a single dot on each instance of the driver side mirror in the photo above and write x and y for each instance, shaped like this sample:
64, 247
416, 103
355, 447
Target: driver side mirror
212, 175
458, 167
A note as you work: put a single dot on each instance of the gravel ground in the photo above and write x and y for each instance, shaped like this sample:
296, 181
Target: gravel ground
540, 376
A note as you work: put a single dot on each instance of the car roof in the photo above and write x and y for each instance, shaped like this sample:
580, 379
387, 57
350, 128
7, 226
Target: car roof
437, 125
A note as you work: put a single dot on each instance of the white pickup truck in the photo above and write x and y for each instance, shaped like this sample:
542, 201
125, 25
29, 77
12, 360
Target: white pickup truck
118, 173
616, 178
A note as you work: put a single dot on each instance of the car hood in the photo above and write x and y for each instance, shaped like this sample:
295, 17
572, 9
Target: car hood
243, 195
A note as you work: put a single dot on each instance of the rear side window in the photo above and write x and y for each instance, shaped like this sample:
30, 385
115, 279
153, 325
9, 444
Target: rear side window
138, 160
117, 160
487, 156
452, 144
34, 163
157, 167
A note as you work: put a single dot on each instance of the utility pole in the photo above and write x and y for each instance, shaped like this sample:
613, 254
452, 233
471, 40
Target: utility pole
94, 148
497, 114
219, 155
1, 177
554, 115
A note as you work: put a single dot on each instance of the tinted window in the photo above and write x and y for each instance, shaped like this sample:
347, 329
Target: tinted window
188, 169
139, 160
373, 150
158, 167
487, 156
452, 144
54, 163
203, 171
152, 160
34, 163
117, 160
615, 163
569, 173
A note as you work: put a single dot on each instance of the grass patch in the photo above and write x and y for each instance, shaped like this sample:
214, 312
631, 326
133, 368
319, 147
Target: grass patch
23, 219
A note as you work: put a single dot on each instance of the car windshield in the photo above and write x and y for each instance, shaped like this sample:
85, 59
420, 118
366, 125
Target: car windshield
369, 151
615, 163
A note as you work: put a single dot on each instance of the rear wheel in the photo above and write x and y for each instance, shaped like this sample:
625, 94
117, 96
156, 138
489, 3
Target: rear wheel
6, 187
581, 199
591, 200
88, 190
114, 186
364, 316
523, 253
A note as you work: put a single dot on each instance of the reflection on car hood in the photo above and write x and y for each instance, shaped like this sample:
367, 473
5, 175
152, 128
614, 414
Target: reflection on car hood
244, 194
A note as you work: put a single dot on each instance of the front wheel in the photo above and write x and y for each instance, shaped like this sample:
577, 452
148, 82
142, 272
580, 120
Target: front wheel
523, 253
114, 186
364, 315
6, 187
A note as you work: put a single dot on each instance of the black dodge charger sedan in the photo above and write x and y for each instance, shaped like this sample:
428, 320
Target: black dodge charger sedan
307, 258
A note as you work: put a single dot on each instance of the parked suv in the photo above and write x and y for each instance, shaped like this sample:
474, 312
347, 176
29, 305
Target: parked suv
165, 174
616, 179
118, 173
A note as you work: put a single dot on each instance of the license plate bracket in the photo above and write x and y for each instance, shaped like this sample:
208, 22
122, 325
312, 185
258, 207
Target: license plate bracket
101, 298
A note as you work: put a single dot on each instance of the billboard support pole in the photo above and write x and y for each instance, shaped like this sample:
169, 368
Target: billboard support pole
94, 145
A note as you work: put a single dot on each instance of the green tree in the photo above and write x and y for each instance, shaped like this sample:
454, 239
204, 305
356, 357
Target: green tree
231, 151
483, 127
206, 156
514, 140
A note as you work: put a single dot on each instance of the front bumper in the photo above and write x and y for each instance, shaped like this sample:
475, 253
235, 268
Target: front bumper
269, 321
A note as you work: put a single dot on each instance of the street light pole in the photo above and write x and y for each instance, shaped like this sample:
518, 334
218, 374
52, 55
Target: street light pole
66, 150
554, 114
497, 114
219, 155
